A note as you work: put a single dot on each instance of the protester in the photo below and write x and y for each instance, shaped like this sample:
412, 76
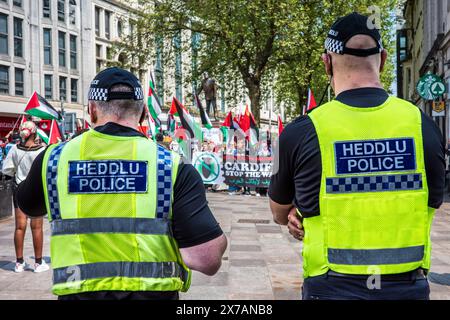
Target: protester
17, 164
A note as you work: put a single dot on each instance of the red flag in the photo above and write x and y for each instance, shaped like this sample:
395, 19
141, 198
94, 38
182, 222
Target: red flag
55, 135
228, 120
311, 101
23, 120
45, 125
86, 125
280, 125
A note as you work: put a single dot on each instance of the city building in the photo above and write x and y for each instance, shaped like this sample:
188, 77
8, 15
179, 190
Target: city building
56, 47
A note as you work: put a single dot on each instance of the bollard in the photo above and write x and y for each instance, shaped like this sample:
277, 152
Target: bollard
5, 197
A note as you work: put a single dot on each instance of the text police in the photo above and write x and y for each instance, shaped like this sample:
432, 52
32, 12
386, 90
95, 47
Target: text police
366, 156
107, 176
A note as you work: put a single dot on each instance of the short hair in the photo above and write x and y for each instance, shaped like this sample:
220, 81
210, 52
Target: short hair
159, 137
122, 109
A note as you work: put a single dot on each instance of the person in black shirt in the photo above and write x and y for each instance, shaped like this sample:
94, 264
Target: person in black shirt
297, 183
194, 228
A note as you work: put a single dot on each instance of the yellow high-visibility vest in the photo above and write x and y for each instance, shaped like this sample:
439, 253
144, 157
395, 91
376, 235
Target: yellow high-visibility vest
109, 201
374, 216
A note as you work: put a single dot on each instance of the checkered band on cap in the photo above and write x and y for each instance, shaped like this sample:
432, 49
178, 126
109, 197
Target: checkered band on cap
138, 93
52, 179
98, 94
334, 45
164, 184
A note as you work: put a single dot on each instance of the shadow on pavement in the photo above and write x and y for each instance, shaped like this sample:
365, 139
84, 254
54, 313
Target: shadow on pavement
7, 265
438, 278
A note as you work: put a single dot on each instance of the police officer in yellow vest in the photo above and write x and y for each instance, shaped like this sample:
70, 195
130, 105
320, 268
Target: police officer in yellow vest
128, 219
360, 178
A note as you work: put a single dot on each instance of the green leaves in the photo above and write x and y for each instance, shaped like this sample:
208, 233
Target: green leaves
252, 45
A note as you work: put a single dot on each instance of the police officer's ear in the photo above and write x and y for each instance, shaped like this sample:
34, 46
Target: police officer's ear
92, 111
384, 55
144, 113
326, 58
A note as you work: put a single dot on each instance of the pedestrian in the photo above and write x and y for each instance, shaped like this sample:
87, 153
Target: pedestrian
129, 220
377, 173
17, 164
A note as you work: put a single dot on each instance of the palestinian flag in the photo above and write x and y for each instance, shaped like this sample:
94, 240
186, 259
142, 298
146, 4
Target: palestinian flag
154, 107
280, 125
55, 134
187, 121
311, 103
41, 133
248, 125
82, 124
39, 107
203, 115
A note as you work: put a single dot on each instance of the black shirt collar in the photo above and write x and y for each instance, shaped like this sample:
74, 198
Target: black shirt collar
115, 129
363, 97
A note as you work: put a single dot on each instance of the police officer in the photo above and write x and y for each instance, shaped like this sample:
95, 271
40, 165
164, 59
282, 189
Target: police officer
360, 178
128, 219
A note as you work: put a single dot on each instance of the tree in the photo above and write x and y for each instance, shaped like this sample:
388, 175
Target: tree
257, 44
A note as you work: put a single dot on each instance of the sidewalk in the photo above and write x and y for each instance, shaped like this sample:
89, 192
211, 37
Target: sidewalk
262, 260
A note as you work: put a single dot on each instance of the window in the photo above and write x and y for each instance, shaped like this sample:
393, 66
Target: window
74, 90
98, 54
108, 24
119, 28
63, 88
48, 83
46, 9
73, 52
17, 3
72, 11
62, 48
3, 34
48, 46
18, 37
4, 79
61, 10
97, 21
19, 81
108, 53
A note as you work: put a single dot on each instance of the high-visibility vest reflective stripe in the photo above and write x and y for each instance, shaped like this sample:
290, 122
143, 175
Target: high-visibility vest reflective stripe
120, 269
109, 240
374, 215
112, 225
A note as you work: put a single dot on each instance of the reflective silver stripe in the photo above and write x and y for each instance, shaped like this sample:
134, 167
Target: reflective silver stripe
119, 269
375, 256
112, 225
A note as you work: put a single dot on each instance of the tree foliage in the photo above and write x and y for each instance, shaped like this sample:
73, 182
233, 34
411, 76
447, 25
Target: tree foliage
254, 45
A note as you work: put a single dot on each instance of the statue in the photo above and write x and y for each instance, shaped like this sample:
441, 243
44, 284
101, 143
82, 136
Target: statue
209, 86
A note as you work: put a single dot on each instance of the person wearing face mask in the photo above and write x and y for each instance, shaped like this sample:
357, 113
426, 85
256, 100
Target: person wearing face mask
17, 164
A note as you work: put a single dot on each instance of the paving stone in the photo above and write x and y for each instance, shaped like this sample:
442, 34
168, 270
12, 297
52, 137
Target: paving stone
262, 261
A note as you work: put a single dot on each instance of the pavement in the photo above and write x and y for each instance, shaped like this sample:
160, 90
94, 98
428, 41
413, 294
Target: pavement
262, 260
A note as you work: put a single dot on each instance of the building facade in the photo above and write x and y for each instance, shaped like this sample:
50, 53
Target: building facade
55, 47
423, 46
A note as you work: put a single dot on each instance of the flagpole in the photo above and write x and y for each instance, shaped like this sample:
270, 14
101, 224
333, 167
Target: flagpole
63, 123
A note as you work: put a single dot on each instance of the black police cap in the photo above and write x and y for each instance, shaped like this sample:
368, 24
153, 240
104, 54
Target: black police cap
100, 89
347, 27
